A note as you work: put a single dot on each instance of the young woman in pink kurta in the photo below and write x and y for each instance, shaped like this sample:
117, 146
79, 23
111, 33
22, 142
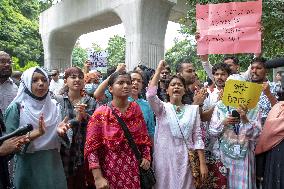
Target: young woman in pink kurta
178, 130
110, 157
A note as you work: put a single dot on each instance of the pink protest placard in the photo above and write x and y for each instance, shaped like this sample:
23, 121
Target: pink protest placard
229, 28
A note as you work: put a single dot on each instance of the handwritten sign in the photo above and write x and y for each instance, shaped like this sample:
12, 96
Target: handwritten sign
98, 60
241, 92
229, 28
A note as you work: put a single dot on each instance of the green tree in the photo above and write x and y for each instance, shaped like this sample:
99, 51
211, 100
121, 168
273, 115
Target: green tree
16, 66
116, 50
184, 51
19, 30
79, 56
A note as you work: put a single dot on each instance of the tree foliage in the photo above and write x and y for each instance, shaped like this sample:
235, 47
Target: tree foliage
184, 51
116, 50
79, 56
16, 65
19, 34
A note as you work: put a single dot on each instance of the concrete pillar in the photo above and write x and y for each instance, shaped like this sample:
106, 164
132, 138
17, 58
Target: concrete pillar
58, 48
145, 23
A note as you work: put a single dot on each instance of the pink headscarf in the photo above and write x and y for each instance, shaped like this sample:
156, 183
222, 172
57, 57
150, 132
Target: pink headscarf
273, 130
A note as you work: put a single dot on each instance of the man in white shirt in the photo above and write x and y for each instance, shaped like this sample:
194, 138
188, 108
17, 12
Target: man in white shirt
220, 74
8, 89
56, 84
230, 60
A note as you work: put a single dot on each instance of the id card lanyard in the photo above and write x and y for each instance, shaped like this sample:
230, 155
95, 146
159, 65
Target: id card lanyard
236, 127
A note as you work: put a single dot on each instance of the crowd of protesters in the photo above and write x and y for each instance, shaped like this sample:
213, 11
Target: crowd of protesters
177, 123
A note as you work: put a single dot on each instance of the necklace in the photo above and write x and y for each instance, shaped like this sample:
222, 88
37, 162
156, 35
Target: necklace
179, 111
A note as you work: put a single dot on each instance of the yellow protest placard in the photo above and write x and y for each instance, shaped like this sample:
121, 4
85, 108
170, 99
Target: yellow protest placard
241, 92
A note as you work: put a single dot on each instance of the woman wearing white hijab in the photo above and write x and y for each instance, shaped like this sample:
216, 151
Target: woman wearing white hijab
38, 165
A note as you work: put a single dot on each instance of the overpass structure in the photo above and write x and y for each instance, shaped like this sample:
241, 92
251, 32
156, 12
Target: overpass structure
145, 23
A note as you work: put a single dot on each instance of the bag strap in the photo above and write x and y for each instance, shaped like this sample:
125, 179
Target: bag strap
183, 137
127, 134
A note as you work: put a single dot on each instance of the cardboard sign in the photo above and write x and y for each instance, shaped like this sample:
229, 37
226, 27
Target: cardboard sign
98, 60
241, 92
229, 28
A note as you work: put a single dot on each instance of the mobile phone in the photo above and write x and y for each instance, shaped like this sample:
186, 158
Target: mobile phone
235, 114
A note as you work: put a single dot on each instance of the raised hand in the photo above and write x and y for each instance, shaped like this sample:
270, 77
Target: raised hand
41, 126
161, 66
63, 127
121, 67
266, 88
81, 112
87, 64
243, 113
200, 96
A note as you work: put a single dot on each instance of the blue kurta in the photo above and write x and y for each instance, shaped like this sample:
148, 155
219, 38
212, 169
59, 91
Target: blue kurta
148, 114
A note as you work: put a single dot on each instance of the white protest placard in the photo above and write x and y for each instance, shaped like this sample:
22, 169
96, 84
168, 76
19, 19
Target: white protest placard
98, 60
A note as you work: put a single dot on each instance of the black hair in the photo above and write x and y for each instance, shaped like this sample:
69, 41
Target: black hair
167, 84
221, 66
73, 70
234, 58
168, 68
179, 67
141, 74
142, 67
110, 70
259, 60
115, 75
209, 81
55, 69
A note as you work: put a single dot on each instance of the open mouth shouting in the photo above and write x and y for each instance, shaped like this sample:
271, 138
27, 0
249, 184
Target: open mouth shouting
176, 92
134, 88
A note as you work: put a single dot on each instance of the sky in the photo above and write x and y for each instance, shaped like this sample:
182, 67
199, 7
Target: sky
101, 37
